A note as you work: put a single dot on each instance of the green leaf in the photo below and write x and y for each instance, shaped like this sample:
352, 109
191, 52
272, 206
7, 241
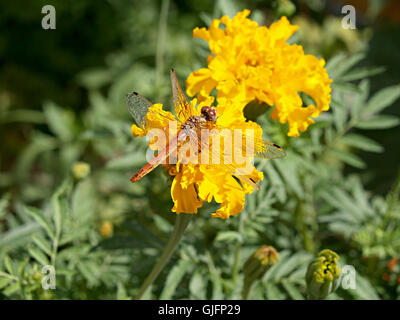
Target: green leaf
334, 62
39, 256
127, 161
290, 264
383, 99
288, 171
360, 98
228, 7
197, 286
275, 180
174, 278
339, 114
347, 64
361, 73
42, 244
121, 293
229, 236
361, 142
60, 121
345, 86
364, 289
57, 215
18, 235
8, 264
4, 281
87, 272
291, 289
273, 293
12, 289
347, 158
341, 200
41, 219
378, 122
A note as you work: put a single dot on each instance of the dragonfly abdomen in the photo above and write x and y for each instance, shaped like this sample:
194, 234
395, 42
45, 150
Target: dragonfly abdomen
142, 172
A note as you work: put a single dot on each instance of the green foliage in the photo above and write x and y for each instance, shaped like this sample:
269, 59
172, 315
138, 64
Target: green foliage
313, 199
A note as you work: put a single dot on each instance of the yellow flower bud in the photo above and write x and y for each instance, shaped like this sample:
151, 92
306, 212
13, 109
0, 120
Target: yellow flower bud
106, 229
323, 274
257, 265
81, 170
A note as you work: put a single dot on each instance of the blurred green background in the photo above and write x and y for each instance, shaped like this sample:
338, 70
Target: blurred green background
62, 100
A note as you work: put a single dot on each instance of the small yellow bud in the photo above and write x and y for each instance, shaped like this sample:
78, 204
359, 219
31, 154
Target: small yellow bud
323, 274
106, 229
81, 170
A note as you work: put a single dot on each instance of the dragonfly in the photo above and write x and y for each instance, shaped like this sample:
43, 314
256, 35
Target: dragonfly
190, 130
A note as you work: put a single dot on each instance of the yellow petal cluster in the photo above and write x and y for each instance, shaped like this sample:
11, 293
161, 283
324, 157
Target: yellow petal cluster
251, 62
194, 184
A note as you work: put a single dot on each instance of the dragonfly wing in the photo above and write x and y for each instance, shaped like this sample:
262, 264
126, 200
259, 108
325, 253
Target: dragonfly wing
182, 107
138, 107
219, 158
260, 148
267, 150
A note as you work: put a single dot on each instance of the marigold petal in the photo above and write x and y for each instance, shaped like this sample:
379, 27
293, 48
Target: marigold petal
185, 199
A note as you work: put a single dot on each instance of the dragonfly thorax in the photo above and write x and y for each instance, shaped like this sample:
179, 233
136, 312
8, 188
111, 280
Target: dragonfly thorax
190, 126
192, 122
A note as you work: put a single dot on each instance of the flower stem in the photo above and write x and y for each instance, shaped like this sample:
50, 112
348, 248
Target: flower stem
161, 39
246, 291
235, 271
181, 223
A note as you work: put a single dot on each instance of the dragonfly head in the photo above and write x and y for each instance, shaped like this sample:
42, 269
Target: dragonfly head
209, 113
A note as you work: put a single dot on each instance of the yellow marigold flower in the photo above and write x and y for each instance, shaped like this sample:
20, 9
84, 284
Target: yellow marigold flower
194, 184
251, 62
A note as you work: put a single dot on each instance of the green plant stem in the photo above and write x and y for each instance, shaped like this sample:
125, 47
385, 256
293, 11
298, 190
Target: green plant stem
181, 223
162, 32
392, 200
246, 290
235, 270
302, 227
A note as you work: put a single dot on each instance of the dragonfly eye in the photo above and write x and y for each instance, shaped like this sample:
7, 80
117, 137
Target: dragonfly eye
205, 110
209, 113
212, 114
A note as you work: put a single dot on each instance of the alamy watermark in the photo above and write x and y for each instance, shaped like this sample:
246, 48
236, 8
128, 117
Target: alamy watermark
49, 20
49, 279
349, 20
348, 277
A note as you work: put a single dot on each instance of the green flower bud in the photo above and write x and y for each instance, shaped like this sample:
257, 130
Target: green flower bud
254, 109
323, 275
257, 265
81, 170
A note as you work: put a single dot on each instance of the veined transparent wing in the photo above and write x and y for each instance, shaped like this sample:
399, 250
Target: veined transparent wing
219, 158
182, 107
258, 148
139, 107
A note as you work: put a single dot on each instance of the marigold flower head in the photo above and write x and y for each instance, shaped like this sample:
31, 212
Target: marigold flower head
251, 62
194, 184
